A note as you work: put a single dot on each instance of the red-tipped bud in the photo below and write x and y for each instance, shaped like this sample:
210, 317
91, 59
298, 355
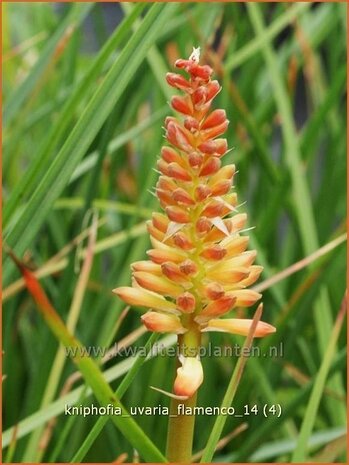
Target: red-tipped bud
173, 272
186, 302
203, 225
178, 215
188, 267
154, 232
199, 97
214, 119
214, 291
157, 283
160, 221
203, 72
227, 172
221, 187
214, 252
245, 297
210, 167
215, 131
182, 105
177, 81
162, 166
202, 192
182, 196
182, 241
219, 306
218, 146
214, 208
195, 159
170, 155
165, 197
178, 136
191, 124
255, 271
177, 172
183, 64
235, 244
213, 88
166, 183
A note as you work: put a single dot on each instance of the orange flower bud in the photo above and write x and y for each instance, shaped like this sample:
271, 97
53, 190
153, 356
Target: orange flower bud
178, 136
188, 267
146, 265
239, 326
165, 197
214, 132
214, 252
228, 276
189, 377
177, 172
203, 225
199, 97
178, 81
182, 196
186, 302
237, 222
167, 184
213, 208
245, 297
155, 232
255, 272
173, 272
161, 256
214, 119
191, 124
210, 167
221, 187
170, 155
204, 72
157, 284
214, 291
177, 214
160, 221
213, 88
245, 260
226, 172
195, 159
218, 146
162, 323
142, 298
202, 192
162, 166
182, 241
219, 306
235, 244
182, 104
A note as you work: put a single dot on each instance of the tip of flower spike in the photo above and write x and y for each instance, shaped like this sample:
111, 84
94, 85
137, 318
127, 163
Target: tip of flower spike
195, 55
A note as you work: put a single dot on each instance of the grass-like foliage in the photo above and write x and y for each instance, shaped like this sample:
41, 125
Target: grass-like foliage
85, 98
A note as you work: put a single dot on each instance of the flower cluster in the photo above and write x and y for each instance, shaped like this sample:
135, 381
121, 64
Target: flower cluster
199, 268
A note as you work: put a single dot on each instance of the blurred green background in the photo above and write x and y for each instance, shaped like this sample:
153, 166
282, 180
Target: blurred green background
84, 99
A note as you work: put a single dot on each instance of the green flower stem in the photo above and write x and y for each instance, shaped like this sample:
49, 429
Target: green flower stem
181, 427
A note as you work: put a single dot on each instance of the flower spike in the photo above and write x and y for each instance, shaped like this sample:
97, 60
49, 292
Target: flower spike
199, 269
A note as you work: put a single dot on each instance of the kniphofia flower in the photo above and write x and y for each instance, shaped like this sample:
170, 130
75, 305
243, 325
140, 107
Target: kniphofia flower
199, 268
